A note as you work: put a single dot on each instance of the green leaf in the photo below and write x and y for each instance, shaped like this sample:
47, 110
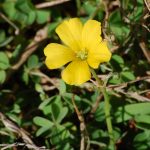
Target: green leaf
62, 114
51, 28
134, 10
115, 79
118, 27
58, 112
117, 63
42, 130
21, 16
69, 96
15, 118
127, 76
117, 133
47, 109
144, 136
7, 41
125, 3
55, 110
26, 11
38, 88
62, 87
59, 134
9, 8
143, 119
16, 109
2, 76
129, 111
4, 61
46, 102
42, 16
40, 121
32, 62
141, 141
21, 10
88, 7
99, 115
24, 6
25, 77
97, 134
31, 17
16, 52
2, 36
118, 59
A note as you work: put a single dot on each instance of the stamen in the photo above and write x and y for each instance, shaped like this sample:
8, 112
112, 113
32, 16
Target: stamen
82, 55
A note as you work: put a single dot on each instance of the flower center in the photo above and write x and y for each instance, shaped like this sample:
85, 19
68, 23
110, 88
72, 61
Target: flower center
82, 55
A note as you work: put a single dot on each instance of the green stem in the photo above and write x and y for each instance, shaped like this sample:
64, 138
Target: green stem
107, 108
92, 16
78, 3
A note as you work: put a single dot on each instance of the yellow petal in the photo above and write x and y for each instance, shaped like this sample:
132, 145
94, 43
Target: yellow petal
91, 34
70, 33
76, 73
57, 55
98, 54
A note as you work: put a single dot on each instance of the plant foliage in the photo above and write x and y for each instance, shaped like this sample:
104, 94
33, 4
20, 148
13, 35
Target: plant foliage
35, 98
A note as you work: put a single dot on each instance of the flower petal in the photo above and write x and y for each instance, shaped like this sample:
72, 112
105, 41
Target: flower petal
76, 73
57, 55
91, 34
98, 54
70, 33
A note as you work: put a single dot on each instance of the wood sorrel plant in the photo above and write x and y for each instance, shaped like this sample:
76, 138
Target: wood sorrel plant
84, 50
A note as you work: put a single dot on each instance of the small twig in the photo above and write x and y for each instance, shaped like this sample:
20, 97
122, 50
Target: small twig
50, 4
145, 91
84, 144
120, 89
40, 74
122, 85
121, 137
145, 50
113, 49
12, 126
146, 27
130, 82
96, 104
10, 22
6, 146
143, 38
133, 95
30, 146
147, 4
39, 37
100, 144
105, 25
146, 16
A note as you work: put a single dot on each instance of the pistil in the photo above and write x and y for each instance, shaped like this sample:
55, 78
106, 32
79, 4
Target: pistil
82, 54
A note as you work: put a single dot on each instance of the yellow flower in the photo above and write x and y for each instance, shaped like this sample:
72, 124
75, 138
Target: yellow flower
83, 48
